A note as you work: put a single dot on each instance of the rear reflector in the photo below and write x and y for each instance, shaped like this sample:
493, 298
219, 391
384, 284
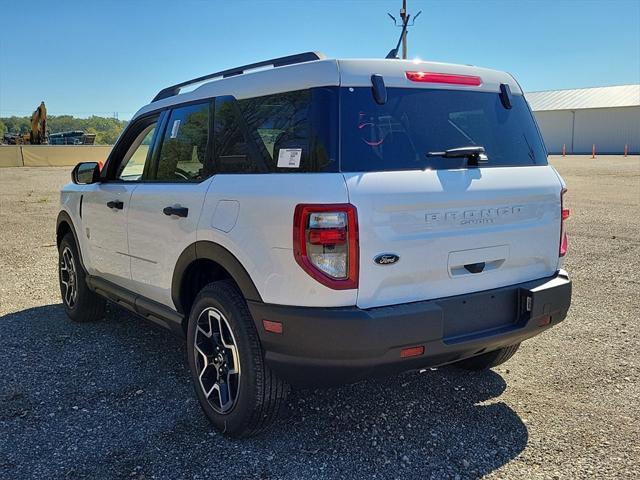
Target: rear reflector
564, 215
429, 77
546, 320
411, 352
273, 327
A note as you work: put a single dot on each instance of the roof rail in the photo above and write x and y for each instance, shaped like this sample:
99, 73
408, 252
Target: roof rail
275, 62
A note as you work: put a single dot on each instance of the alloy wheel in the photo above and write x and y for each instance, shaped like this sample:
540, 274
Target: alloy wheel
69, 277
216, 359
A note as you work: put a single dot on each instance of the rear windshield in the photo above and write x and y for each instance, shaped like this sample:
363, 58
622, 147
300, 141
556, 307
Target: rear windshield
399, 134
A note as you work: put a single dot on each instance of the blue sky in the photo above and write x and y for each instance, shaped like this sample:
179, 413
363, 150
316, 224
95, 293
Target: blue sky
100, 57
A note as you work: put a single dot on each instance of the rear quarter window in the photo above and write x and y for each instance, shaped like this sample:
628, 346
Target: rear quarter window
257, 135
399, 134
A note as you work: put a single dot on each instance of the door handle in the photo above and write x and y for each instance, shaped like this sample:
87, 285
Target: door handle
117, 204
475, 267
177, 211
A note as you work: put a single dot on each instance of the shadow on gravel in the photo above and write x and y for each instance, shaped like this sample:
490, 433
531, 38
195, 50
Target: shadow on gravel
113, 399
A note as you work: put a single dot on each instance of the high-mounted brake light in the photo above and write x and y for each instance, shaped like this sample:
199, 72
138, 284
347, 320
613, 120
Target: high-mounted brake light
430, 77
564, 215
325, 243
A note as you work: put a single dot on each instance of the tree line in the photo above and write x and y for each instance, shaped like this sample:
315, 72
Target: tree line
106, 129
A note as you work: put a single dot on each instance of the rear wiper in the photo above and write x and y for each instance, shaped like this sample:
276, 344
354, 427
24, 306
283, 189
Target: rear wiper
474, 154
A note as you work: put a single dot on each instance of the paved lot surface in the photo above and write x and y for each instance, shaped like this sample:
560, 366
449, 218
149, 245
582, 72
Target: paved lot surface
113, 399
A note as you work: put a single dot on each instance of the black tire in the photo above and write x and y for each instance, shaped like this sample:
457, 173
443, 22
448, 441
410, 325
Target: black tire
488, 360
85, 305
259, 395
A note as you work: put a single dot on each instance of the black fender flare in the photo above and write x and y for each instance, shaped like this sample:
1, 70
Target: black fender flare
212, 251
64, 217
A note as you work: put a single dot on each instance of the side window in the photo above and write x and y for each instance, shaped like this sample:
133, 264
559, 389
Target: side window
133, 162
184, 148
280, 122
263, 134
235, 152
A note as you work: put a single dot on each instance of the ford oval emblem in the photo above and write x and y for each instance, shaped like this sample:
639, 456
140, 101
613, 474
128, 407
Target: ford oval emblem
386, 259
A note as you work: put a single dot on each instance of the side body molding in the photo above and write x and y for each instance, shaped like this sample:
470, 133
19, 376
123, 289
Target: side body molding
220, 255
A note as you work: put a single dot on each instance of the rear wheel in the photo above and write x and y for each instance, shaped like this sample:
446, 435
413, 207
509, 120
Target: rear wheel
488, 360
236, 389
80, 303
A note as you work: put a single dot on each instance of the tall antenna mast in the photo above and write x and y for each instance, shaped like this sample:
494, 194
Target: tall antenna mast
404, 24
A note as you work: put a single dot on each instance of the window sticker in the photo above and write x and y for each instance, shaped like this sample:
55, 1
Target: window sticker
174, 128
289, 157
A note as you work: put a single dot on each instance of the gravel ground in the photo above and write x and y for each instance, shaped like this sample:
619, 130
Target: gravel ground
113, 399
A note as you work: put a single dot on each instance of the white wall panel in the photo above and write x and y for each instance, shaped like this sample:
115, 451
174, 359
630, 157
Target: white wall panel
608, 128
556, 129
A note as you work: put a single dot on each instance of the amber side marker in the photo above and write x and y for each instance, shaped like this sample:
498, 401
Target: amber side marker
411, 352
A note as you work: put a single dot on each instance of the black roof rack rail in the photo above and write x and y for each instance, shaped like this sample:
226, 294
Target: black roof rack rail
275, 62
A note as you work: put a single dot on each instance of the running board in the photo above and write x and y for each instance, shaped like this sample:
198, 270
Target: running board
141, 306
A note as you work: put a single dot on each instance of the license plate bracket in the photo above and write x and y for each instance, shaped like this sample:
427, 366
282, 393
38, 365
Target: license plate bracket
472, 314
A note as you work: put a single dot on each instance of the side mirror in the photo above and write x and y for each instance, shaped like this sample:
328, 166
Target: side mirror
85, 173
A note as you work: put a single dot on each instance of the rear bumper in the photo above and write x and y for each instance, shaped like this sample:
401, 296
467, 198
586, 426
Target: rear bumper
346, 344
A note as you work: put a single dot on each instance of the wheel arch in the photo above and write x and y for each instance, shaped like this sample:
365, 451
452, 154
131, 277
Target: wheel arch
216, 261
64, 225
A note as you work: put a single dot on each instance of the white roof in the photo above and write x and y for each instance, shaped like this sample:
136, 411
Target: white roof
332, 72
580, 98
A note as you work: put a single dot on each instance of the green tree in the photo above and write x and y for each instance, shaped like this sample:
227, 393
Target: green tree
106, 129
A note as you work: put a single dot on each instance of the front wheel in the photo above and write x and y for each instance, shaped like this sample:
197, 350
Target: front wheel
238, 392
80, 303
488, 360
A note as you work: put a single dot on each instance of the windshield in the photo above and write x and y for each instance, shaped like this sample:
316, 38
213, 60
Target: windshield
399, 134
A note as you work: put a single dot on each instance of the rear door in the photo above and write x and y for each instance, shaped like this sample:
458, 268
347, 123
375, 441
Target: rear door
165, 208
455, 228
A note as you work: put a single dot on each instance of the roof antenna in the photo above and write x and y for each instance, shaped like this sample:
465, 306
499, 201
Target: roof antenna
403, 35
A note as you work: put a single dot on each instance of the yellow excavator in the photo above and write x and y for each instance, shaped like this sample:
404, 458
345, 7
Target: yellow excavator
38, 133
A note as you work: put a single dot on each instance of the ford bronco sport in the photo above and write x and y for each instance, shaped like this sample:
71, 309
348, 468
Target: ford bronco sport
322, 221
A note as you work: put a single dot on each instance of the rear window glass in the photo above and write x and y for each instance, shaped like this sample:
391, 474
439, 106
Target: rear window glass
399, 134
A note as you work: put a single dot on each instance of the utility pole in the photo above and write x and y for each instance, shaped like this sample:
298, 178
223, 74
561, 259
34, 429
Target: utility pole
404, 16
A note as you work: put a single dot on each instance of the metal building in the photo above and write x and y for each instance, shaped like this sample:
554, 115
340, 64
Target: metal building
607, 117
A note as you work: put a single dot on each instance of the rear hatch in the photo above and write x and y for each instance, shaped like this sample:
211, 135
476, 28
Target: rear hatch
432, 226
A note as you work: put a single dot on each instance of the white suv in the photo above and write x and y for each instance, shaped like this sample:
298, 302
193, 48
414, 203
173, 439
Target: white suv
323, 221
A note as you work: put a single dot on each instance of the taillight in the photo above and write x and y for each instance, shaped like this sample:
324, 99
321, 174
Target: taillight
429, 77
564, 214
325, 243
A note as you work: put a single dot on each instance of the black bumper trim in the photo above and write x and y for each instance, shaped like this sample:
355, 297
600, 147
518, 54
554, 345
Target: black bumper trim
337, 345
